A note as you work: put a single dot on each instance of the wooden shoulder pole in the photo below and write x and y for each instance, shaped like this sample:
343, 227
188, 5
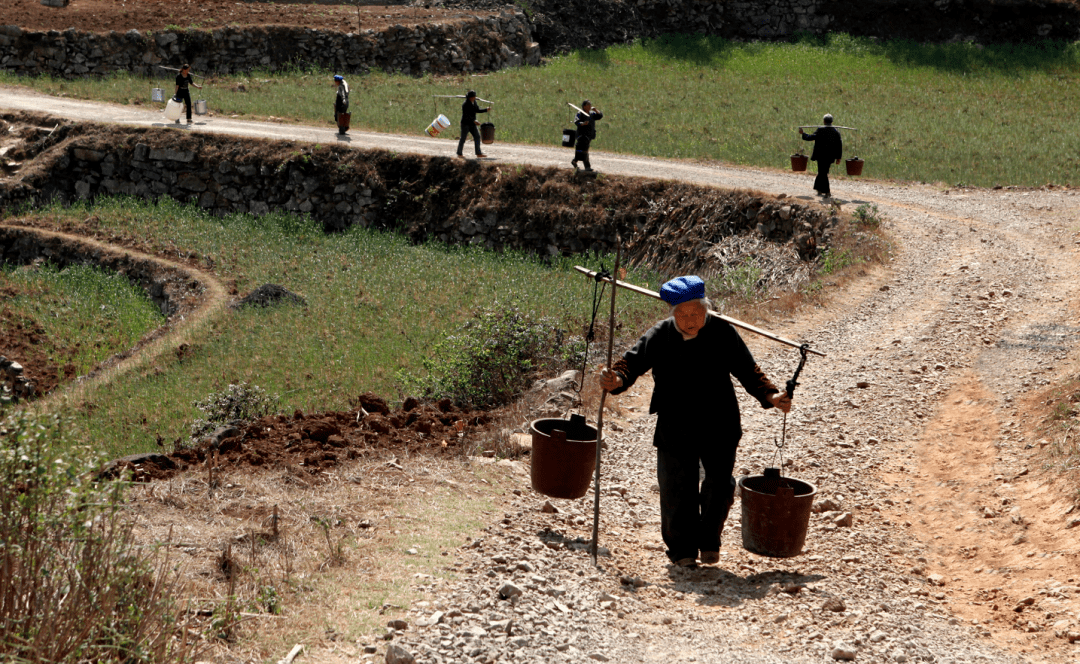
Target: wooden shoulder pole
734, 321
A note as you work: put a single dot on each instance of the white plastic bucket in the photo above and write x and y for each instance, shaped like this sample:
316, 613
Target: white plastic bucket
157, 94
439, 124
200, 107
173, 109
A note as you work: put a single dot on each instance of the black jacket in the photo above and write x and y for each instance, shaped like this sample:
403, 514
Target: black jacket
341, 101
469, 109
586, 123
828, 146
692, 390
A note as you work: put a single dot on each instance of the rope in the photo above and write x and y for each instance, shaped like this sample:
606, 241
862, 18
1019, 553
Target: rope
598, 298
789, 388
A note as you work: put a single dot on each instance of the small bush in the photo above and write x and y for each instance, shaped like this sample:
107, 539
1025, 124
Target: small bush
741, 281
494, 358
242, 402
73, 585
868, 214
834, 260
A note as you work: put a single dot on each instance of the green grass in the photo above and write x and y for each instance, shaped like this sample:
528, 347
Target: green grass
956, 114
86, 314
376, 305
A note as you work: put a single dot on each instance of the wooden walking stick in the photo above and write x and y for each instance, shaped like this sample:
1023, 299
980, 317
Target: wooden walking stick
600, 416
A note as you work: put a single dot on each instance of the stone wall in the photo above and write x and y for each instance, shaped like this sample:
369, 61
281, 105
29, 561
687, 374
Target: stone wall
482, 43
561, 25
544, 211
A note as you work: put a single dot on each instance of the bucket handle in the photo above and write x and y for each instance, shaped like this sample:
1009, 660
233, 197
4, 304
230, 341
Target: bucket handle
789, 388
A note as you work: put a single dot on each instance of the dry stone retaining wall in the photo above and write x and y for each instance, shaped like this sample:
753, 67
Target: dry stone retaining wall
561, 25
482, 43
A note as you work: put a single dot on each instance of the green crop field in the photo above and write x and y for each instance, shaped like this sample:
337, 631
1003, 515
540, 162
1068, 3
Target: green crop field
376, 305
85, 314
955, 114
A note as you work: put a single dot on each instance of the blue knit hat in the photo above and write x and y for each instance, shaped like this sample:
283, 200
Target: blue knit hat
682, 289
339, 77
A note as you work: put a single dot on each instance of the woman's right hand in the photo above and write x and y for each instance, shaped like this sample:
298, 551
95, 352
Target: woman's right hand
610, 380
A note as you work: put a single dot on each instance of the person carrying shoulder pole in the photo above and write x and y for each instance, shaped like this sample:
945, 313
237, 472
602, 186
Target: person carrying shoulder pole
586, 133
341, 103
183, 80
469, 123
692, 356
828, 146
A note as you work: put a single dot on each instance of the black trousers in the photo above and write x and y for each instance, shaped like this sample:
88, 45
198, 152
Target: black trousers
821, 182
185, 95
469, 128
581, 150
691, 516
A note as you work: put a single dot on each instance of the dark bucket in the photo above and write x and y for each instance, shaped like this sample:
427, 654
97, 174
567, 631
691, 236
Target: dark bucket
487, 133
799, 161
563, 456
854, 166
775, 514
569, 137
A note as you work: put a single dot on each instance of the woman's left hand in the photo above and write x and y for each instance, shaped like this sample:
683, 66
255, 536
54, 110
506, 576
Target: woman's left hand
780, 400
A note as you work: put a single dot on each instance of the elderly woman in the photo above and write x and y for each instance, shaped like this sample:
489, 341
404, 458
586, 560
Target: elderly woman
341, 104
692, 356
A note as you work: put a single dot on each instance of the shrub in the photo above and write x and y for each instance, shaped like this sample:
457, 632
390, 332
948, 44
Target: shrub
868, 214
494, 358
242, 402
73, 585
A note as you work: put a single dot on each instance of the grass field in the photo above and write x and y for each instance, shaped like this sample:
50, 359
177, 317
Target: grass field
956, 114
376, 304
86, 315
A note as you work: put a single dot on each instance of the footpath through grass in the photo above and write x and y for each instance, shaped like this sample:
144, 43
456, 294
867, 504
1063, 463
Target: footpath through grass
956, 114
376, 305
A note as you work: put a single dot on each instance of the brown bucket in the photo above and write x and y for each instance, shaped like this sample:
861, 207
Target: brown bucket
343, 120
487, 133
854, 166
563, 456
799, 161
775, 514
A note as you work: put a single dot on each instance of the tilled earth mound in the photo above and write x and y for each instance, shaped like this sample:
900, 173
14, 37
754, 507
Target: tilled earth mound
316, 441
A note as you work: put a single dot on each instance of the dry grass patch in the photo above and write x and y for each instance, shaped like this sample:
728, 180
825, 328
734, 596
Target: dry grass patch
277, 558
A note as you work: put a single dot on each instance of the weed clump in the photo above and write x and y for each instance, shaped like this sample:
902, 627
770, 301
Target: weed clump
868, 214
242, 402
494, 358
73, 585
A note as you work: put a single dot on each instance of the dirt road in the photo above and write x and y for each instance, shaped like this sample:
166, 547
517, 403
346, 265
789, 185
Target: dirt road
946, 540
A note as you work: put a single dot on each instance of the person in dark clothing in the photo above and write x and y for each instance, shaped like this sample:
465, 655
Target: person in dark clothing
586, 133
828, 147
692, 356
183, 80
341, 103
469, 123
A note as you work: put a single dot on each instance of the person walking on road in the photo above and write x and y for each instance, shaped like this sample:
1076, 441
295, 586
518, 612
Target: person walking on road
341, 104
828, 147
183, 80
586, 133
469, 123
692, 356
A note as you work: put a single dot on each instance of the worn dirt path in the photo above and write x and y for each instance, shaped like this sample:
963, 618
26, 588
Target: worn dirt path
946, 541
